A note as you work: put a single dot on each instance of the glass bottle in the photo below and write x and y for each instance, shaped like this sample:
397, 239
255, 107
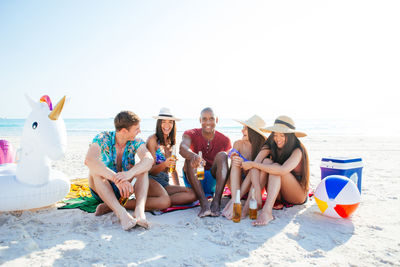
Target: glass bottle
200, 169
237, 208
172, 167
253, 206
124, 200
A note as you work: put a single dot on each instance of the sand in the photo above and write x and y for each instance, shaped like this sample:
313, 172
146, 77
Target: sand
298, 236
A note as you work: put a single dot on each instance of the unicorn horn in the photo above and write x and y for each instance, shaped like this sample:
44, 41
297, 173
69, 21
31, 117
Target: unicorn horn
57, 110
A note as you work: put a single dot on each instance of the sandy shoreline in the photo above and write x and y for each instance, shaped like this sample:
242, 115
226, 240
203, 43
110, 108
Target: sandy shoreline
299, 235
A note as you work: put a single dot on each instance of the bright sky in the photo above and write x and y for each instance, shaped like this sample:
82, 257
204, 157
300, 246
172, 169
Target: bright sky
305, 59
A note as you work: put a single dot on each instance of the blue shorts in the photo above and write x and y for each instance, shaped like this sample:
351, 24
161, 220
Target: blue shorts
115, 189
208, 183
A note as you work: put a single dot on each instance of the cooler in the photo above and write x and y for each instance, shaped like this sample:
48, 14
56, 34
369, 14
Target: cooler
349, 167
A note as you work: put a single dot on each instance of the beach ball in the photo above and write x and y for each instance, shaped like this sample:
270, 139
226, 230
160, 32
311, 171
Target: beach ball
337, 196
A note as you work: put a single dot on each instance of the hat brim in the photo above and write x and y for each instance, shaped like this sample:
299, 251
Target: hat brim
282, 129
166, 118
253, 127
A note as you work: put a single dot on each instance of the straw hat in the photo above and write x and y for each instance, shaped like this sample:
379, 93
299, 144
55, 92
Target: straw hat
283, 124
165, 114
255, 123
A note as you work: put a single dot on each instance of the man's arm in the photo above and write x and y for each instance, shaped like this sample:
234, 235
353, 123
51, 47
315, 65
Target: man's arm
145, 164
187, 153
95, 165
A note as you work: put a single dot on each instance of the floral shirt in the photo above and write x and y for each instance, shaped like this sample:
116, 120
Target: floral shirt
106, 141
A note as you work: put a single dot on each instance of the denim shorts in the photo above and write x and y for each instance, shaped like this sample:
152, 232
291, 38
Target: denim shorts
115, 189
162, 178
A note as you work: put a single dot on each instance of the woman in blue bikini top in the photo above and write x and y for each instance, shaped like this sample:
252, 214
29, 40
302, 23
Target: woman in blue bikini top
161, 146
248, 148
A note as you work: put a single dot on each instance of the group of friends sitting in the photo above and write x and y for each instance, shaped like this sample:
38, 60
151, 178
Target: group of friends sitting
270, 158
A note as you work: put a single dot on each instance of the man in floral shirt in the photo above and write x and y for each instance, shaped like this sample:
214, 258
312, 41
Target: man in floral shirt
111, 163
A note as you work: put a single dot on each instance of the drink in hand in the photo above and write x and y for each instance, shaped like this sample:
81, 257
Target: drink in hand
172, 167
200, 169
124, 200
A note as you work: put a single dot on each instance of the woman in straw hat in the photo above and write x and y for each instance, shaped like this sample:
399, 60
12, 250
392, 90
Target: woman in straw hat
161, 146
248, 148
285, 172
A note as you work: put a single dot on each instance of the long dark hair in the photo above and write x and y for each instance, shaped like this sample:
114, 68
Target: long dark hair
291, 143
160, 134
256, 140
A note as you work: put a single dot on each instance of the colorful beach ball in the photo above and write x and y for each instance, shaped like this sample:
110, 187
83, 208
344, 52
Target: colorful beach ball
337, 196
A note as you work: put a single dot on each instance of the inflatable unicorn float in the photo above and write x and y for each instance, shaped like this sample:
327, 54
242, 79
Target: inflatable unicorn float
31, 183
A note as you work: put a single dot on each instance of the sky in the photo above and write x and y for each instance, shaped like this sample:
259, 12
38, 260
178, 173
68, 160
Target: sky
305, 59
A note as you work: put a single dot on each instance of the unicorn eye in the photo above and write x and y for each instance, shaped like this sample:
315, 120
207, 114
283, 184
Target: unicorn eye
34, 125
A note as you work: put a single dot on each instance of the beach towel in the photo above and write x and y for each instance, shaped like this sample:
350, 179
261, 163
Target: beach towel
88, 204
79, 197
79, 188
176, 207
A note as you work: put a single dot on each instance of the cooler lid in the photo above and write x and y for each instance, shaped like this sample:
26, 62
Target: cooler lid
341, 163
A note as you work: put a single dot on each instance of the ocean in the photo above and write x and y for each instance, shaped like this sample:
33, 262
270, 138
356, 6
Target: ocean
90, 127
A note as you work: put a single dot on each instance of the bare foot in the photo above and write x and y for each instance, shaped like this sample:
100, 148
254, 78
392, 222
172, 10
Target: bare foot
102, 209
141, 219
278, 206
205, 211
143, 223
263, 219
228, 210
128, 222
215, 209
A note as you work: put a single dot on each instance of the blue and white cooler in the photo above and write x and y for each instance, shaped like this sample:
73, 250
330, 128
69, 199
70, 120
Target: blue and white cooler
349, 167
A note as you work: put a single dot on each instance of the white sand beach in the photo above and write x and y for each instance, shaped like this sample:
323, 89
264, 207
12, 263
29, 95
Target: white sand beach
299, 236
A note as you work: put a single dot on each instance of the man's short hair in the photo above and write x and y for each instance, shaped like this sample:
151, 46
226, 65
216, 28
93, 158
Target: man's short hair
207, 109
125, 119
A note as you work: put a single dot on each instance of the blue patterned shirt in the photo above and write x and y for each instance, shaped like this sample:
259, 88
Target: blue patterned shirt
106, 141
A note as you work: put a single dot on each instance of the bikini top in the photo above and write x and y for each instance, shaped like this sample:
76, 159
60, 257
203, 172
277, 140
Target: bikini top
160, 157
237, 152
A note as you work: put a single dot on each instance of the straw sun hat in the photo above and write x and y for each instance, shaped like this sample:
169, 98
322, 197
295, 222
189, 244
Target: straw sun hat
165, 114
284, 124
255, 123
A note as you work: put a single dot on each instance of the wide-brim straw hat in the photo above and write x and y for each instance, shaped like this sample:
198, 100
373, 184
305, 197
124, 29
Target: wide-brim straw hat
166, 114
255, 123
284, 124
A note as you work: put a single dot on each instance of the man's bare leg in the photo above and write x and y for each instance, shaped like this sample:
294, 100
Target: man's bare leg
157, 199
221, 170
141, 189
104, 190
198, 190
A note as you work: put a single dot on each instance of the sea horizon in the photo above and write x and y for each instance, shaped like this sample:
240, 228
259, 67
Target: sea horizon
313, 127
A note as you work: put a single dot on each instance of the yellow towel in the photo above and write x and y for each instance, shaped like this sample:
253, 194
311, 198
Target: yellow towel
79, 188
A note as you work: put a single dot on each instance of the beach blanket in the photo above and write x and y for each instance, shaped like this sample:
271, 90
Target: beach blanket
79, 197
79, 188
88, 204
175, 208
